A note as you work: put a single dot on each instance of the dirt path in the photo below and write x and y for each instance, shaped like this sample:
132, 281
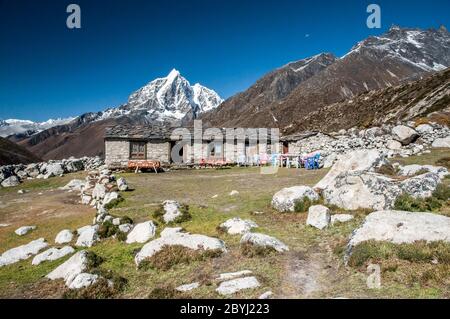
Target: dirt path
310, 274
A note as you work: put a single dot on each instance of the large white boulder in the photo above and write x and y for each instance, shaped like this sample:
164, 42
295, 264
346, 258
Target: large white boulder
441, 142
235, 285
421, 186
285, 199
356, 161
352, 191
402, 227
424, 128
53, 169
171, 211
109, 197
188, 287
175, 237
318, 217
72, 267
125, 228
11, 181
52, 254
22, 252
414, 169
141, 233
64, 237
237, 226
21, 231
87, 237
394, 145
83, 280
264, 241
404, 134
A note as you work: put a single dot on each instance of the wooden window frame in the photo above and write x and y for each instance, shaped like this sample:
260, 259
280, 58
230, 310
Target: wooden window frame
131, 157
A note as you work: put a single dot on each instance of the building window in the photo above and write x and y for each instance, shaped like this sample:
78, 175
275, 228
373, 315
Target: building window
138, 150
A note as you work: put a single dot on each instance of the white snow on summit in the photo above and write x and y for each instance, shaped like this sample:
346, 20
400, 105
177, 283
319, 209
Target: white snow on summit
15, 126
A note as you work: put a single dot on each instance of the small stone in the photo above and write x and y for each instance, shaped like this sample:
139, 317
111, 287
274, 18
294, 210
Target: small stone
234, 193
233, 275
237, 226
52, 254
188, 287
264, 241
125, 228
64, 236
341, 218
318, 217
88, 237
24, 230
122, 184
235, 285
83, 280
266, 295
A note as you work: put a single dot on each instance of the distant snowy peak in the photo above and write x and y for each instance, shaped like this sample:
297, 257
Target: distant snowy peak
14, 126
428, 50
171, 97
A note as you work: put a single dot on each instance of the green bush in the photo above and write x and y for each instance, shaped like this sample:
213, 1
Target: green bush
302, 205
107, 229
114, 203
163, 292
445, 161
126, 220
387, 169
121, 236
442, 192
99, 290
408, 203
93, 261
185, 216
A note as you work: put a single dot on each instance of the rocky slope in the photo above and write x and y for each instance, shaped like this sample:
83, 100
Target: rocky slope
11, 153
396, 57
391, 105
271, 88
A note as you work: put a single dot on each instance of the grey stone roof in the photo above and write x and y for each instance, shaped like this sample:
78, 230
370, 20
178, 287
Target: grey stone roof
155, 132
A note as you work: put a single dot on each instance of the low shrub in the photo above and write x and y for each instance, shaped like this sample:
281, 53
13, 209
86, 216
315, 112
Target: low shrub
126, 220
93, 261
107, 229
418, 252
99, 290
121, 236
302, 205
185, 216
387, 169
114, 203
408, 203
445, 162
442, 192
249, 250
169, 256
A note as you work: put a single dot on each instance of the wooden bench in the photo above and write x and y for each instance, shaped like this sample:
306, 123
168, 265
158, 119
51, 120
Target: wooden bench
138, 164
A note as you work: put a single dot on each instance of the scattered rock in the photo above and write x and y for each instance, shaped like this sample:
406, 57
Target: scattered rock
264, 241
125, 228
234, 193
52, 254
412, 170
266, 295
318, 217
171, 211
352, 191
22, 252
233, 275
64, 237
142, 233
109, 197
404, 134
441, 142
402, 227
74, 185
53, 169
116, 221
235, 285
284, 200
424, 128
341, 218
237, 226
188, 287
24, 230
175, 236
11, 181
87, 237
122, 184
421, 186
394, 145
83, 280
71, 268
99, 192
356, 161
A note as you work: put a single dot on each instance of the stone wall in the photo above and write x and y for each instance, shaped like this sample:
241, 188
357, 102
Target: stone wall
117, 153
158, 151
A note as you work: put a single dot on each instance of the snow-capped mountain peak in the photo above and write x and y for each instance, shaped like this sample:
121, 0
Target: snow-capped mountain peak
167, 99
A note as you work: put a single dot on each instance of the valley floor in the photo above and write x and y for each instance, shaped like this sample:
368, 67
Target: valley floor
313, 268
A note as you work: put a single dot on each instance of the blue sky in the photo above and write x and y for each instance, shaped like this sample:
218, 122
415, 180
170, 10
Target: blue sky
49, 71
